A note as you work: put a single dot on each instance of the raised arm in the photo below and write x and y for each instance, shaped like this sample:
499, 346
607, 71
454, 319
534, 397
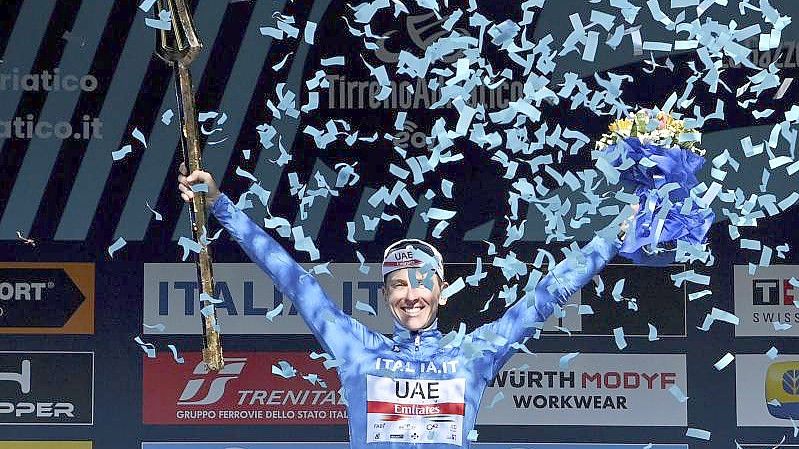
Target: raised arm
338, 333
532, 310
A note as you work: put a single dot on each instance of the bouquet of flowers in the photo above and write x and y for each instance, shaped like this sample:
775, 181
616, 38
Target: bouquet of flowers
658, 157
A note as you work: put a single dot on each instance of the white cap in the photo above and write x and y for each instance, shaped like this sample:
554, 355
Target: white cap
412, 253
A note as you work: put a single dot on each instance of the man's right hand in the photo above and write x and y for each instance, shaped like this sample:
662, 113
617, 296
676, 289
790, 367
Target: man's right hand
196, 177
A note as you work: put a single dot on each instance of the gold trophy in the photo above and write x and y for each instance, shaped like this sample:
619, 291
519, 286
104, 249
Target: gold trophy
179, 46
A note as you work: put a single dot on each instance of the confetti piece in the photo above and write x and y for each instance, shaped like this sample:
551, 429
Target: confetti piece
146, 5
158, 217
563, 363
164, 21
116, 246
175, 356
122, 152
618, 335
498, 397
156, 327
139, 136
282, 62
207, 241
332, 363
700, 294
653, 333
697, 433
678, 393
205, 297
315, 356
487, 303
336, 60
453, 288
148, 348
284, 369
781, 326
166, 117
724, 361
363, 307
189, 246
208, 311
274, 312
786, 83
25, 239
200, 187
309, 33
720, 315
772, 353
244, 173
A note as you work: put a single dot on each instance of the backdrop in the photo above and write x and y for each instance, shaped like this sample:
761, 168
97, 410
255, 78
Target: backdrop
469, 124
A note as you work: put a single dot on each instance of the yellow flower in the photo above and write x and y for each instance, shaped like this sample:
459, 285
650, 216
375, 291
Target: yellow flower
623, 126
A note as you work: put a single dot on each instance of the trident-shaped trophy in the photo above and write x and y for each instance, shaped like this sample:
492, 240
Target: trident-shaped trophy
179, 46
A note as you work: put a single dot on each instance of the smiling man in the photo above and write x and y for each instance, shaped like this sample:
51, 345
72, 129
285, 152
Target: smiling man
414, 308
417, 387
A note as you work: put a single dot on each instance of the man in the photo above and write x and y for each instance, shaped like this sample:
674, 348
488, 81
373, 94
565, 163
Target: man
418, 387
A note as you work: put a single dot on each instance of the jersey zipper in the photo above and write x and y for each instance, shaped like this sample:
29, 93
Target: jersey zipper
417, 341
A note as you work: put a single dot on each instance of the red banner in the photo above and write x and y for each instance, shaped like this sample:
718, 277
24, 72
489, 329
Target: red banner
245, 391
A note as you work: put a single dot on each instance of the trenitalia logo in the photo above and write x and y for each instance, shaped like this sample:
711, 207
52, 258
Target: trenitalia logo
218, 380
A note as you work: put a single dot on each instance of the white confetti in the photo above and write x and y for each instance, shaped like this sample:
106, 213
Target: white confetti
116, 246
274, 312
284, 369
724, 361
175, 356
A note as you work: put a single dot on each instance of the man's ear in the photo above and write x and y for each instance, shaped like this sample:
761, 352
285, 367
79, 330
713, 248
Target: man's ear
442, 300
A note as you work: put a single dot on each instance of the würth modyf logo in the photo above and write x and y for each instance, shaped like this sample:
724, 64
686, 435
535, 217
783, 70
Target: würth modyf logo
46, 388
212, 383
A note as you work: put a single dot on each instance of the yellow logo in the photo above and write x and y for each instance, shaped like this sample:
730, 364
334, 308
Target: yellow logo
782, 390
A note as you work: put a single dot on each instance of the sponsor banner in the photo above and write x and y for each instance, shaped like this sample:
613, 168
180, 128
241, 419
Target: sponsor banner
767, 390
46, 388
46, 298
45, 444
595, 389
243, 392
328, 445
171, 297
765, 298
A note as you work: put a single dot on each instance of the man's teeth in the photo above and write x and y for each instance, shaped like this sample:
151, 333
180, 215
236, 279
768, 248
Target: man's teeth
412, 310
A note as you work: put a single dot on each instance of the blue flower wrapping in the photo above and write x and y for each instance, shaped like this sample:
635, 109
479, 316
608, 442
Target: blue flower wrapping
663, 180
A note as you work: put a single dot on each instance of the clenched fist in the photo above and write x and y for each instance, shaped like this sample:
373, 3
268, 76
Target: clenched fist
196, 177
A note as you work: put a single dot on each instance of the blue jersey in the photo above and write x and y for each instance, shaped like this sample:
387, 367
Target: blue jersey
415, 389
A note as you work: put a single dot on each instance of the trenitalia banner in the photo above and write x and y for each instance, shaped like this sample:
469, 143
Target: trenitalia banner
594, 390
245, 391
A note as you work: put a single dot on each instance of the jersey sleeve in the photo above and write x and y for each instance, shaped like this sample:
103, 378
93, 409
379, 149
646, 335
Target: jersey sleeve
521, 319
339, 334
